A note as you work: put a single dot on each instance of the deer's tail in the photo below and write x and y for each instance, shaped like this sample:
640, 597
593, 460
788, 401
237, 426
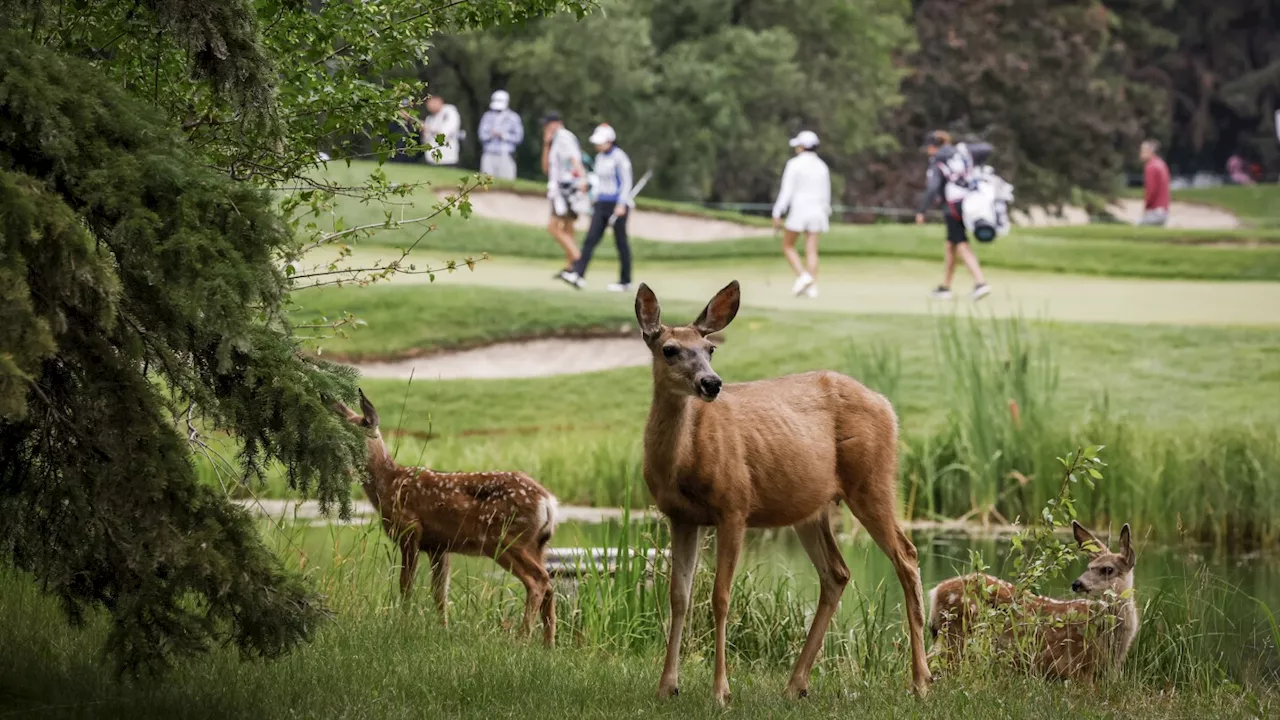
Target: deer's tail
548, 511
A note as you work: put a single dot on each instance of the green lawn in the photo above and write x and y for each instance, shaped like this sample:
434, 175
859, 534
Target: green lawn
1188, 412
1253, 204
1217, 372
1110, 250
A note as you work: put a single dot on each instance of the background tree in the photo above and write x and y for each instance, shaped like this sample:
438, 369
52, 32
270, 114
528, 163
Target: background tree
705, 92
1043, 81
1218, 68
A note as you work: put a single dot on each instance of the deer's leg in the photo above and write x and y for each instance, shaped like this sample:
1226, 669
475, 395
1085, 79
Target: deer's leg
876, 515
729, 534
684, 562
409, 549
440, 582
536, 580
549, 614
820, 544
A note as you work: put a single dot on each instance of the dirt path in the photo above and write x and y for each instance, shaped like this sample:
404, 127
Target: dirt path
526, 359
663, 227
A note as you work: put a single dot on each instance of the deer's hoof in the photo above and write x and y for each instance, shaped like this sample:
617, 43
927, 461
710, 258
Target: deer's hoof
723, 697
796, 692
667, 691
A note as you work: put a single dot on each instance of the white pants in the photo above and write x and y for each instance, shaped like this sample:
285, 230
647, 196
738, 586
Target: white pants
806, 221
501, 167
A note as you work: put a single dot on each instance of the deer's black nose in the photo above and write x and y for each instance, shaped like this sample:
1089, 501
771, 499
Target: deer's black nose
709, 386
1077, 586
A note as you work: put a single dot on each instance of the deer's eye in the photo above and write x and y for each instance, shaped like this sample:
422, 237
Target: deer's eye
711, 350
670, 351
1106, 571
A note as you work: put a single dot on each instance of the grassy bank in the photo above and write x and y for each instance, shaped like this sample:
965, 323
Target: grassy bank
375, 661
1109, 250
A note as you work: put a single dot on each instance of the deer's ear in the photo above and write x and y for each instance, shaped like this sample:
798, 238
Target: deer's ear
370, 413
1088, 542
1126, 546
648, 313
718, 313
347, 413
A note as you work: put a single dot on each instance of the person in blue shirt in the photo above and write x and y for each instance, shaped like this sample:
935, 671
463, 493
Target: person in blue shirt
613, 203
501, 131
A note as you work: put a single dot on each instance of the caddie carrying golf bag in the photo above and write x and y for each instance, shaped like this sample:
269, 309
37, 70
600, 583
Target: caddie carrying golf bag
983, 197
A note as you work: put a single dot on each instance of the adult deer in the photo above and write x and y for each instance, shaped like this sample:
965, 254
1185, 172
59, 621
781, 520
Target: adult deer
766, 454
507, 516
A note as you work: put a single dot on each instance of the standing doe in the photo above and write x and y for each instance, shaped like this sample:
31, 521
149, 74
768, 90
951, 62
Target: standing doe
507, 516
769, 453
1078, 639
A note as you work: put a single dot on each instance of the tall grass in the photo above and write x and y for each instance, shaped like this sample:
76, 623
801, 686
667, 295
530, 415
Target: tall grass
991, 459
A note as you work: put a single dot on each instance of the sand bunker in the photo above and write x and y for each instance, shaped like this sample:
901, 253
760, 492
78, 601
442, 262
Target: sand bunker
524, 359
664, 227
1189, 216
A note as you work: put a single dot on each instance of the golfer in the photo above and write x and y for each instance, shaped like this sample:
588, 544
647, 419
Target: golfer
613, 198
566, 186
805, 198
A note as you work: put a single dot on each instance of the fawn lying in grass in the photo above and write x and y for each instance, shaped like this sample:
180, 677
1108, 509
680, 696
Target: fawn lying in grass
1079, 639
507, 516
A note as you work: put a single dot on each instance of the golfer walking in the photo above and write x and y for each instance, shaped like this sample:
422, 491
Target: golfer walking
566, 187
805, 198
613, 198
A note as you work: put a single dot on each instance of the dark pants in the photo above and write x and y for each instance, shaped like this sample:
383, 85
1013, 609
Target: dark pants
599, 223
956, 232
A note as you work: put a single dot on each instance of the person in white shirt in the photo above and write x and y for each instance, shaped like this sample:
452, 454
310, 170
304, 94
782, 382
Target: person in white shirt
566, 185
442, 119
805, 198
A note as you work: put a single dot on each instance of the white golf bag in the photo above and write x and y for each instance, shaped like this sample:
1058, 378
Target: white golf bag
985, 206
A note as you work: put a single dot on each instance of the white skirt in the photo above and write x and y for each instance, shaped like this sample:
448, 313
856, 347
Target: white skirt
807, 221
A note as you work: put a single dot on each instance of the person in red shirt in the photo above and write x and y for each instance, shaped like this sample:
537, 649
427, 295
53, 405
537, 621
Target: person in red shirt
1155, 183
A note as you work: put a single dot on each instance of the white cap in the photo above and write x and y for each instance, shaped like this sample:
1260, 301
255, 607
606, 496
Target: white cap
806, 139
499, 100
602, 134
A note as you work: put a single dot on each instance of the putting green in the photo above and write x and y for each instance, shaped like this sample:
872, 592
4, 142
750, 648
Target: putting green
898, 286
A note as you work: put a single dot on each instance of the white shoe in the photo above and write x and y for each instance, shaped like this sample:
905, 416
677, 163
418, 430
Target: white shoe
618, 287
940, 293
812, 291
980, 291
802, 283
573, 278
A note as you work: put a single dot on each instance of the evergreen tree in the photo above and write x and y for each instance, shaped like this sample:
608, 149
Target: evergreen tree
141, 299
